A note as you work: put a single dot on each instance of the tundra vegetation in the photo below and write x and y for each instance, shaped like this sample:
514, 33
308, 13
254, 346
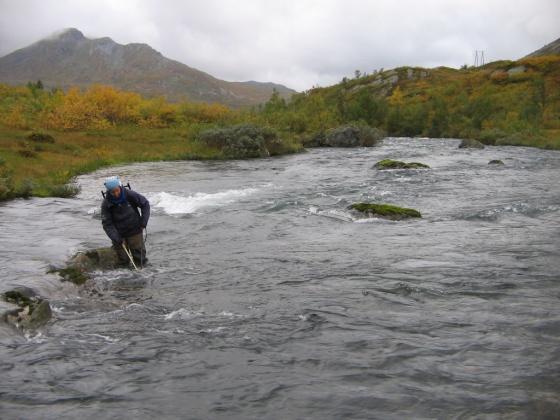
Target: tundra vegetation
48, 136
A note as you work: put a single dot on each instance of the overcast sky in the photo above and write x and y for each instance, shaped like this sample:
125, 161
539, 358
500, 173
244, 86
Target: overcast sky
300, 43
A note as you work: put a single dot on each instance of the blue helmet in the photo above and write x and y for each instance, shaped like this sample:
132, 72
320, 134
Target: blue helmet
112, 182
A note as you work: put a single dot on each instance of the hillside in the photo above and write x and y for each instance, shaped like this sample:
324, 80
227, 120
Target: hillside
550, 49
503, 102
70, 59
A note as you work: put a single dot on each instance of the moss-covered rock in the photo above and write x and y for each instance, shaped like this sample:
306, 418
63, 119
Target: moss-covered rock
21, 296
33, 311
470, 144
72, 274
97, 259
397, 164
80, 266
385, 211
496, 162
40, 315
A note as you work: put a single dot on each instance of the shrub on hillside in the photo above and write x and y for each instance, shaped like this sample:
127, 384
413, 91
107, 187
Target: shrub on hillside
242, 141
26, 153
6, 185
40, 137
352, 135
9, 190
490, 136
26, 189
522, 138
64, 190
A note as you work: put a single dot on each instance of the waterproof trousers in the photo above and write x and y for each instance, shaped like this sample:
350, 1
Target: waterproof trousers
136, 245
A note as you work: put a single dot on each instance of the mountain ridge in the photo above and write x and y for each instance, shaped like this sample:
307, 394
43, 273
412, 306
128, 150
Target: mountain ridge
552, 48
67, 58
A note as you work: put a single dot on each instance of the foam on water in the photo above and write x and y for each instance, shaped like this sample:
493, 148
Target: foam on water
173, 204
181, 313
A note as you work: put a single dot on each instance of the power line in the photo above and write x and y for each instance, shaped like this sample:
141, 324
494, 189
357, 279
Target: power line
479, 58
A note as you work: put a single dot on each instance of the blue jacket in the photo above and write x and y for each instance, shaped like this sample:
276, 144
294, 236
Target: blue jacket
122, 218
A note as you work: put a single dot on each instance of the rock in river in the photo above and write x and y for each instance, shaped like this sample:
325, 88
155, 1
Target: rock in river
470, 144
385, 211
80, 265
397, 164
33, 311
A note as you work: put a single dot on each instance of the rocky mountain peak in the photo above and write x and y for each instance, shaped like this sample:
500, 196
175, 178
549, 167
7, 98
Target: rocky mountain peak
69, 34
550, 49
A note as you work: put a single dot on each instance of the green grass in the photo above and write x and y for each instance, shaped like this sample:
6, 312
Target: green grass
46, 172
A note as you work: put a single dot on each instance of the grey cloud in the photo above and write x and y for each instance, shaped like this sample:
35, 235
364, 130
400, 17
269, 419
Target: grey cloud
298, 43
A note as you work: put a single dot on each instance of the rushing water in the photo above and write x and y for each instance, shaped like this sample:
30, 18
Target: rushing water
267, 298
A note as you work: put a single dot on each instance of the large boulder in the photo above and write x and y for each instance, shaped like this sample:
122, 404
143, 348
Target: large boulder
385, 211
397, 164
470, 144
83, 263
96, 259
33, 311
347, 136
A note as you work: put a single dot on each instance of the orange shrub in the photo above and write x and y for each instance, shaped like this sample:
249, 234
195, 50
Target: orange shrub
115, 106
15, 118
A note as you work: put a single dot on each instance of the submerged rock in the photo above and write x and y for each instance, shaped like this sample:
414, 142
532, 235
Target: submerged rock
385, 211
397, 164
470, 144
33, 311
80, 265
40, 315
21, 296
496, 162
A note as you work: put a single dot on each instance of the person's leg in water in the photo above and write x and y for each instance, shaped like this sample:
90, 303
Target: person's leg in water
123, 258
137, 249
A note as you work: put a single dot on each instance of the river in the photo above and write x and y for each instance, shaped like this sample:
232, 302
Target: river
266, 298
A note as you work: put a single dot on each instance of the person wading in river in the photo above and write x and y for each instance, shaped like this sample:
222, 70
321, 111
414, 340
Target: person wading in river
122, 221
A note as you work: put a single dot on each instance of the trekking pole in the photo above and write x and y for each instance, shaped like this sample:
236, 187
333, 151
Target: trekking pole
142, 250
129, 256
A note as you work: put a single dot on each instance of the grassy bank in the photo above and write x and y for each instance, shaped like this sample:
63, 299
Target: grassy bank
42, 168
